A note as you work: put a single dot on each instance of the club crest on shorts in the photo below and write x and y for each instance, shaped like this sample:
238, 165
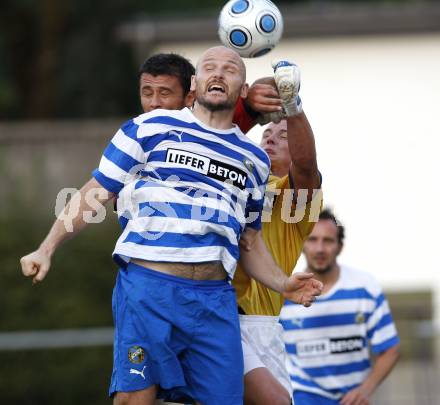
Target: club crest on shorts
136, 354
359, 318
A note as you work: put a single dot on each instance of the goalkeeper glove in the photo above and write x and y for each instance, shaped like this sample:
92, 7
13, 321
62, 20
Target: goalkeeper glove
288, 79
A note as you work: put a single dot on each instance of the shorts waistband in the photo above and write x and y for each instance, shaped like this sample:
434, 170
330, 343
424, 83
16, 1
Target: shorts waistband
258, 318
146, 272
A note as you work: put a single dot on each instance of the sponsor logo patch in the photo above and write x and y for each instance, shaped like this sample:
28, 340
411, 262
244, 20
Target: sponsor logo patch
314, 347
212, 168
136, 354
320, 347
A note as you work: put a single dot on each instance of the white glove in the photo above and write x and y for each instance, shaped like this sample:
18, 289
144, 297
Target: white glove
288, 79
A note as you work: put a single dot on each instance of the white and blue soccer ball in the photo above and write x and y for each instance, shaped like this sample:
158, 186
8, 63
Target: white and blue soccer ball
250, 27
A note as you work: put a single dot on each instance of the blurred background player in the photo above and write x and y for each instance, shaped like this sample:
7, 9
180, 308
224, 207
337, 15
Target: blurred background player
328, 345
291, 147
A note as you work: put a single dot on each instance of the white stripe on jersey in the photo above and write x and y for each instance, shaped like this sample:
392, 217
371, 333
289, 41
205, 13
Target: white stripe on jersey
170, 254
206, 195
335, 307
297, 372
340, 359
347, 380
109, 169
128, 146
332, 382
208, 201
177, 225
383, 334
151, 129
384, 309
160, 193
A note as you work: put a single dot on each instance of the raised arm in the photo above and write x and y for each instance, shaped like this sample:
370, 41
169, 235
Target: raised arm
82, 207
304, 168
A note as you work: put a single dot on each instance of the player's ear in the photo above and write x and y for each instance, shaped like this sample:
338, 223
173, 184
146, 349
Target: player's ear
340, 247
189, 98
244, 90
193, 83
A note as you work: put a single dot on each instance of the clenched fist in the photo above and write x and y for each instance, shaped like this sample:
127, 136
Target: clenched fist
36, 265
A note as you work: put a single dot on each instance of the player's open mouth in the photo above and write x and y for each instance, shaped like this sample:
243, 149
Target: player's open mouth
216, 87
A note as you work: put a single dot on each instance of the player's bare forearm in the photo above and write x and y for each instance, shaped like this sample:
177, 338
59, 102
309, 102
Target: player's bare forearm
258, 263
304, 168
68, 224
383, 365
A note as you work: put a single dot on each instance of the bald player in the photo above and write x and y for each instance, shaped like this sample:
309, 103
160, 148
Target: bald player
177, 328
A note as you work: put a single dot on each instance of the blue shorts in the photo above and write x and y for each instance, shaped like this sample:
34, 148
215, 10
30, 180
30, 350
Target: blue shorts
181, 334
308, 398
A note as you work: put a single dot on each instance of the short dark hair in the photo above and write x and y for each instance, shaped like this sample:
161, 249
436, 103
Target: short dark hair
169, 64
327, 214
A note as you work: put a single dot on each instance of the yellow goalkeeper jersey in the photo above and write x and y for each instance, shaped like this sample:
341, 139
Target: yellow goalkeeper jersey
285, 241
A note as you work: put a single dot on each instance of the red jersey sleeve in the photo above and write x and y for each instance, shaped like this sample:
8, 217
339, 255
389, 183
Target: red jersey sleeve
243, 117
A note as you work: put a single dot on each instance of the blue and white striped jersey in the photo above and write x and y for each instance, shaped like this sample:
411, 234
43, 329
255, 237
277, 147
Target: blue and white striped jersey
328, 343
186, 189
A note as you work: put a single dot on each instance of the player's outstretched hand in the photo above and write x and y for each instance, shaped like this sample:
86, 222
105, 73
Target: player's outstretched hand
288, 80
36, 265
302, 288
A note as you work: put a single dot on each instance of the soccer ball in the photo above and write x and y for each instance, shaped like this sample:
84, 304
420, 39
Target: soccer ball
250, 27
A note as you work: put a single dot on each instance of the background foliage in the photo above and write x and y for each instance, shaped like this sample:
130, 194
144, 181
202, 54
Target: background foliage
76, 294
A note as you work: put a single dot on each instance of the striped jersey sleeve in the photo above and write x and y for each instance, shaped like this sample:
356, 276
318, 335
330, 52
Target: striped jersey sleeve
122, 160
381, 330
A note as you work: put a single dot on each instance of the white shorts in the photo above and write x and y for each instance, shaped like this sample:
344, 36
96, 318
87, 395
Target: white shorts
263, 346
